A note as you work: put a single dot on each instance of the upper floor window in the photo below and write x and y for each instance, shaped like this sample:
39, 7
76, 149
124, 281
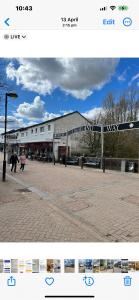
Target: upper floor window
22, 134
49, 127
26, 133
36, 129
31, 131
41, 129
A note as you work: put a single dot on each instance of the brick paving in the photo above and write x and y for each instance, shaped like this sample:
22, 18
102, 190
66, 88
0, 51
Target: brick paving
25, 217
52, 203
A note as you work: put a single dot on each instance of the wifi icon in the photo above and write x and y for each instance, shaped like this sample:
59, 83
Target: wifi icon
112, 7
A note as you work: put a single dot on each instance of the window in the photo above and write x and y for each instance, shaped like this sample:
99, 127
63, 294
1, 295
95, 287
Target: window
22, 134
31, 131
49, 127
36, 129
41, 129
26, 133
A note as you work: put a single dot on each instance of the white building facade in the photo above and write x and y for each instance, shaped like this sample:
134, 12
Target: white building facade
40, 139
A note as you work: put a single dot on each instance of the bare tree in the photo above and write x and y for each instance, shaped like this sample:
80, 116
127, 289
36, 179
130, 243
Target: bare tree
117, 144
92, 140
122, 109
109, 109
133, 104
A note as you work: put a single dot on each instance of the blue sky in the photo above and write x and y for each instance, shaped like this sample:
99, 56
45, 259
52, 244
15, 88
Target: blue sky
50, 87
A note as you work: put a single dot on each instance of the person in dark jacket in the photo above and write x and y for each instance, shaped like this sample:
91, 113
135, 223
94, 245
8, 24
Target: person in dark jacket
13, 161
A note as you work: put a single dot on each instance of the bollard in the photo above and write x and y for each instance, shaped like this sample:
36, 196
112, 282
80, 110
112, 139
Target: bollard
104, 165
65, 161
81, 163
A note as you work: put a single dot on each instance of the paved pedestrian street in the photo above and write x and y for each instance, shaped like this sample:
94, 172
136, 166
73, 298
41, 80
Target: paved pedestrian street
48, 203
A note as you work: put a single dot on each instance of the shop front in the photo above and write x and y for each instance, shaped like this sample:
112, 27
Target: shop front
37, 149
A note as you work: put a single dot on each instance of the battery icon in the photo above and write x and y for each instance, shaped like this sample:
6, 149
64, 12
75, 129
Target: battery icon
123, 7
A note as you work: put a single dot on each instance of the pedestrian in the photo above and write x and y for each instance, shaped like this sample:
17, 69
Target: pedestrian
22, 161
83, 159
13, 161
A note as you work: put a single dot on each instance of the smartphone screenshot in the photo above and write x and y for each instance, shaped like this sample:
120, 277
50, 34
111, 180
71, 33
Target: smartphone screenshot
69, 150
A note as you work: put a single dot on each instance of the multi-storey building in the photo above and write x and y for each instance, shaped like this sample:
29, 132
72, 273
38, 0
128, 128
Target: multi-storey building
41, 138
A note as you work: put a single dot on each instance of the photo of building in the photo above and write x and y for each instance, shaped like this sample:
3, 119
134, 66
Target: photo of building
103, 265
117, 265
124, 266
69, 141
69, 265
96, 265
85, 266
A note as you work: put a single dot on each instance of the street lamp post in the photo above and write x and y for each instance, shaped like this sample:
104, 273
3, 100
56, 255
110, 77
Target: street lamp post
103, 161
102, 146
67, 148
54, 149
11, 95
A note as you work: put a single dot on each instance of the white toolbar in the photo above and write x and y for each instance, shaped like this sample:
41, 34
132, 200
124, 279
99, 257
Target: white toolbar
69, 286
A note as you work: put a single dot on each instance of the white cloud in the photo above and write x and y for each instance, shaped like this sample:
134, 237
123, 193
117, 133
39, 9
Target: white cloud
93, 113
134, 78
30, 123
49, 116
80, 94
34, 110
65, 112
122, 77
76, 76
30, 77
12, 123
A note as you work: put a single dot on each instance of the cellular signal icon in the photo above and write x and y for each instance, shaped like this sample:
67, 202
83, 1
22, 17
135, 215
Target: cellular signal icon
103, 8
112, 7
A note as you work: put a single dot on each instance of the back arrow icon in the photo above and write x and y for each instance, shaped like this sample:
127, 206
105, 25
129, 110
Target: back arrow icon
7, 21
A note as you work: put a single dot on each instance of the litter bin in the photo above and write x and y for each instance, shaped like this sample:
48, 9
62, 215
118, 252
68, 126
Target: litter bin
131, 167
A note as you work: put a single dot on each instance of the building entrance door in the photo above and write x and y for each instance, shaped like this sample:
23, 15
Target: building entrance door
62, 151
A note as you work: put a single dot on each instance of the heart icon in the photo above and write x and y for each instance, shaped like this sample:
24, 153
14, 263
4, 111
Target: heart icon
49, 280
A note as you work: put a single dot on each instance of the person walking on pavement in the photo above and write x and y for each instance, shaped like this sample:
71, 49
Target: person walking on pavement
13, 160
22, 161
